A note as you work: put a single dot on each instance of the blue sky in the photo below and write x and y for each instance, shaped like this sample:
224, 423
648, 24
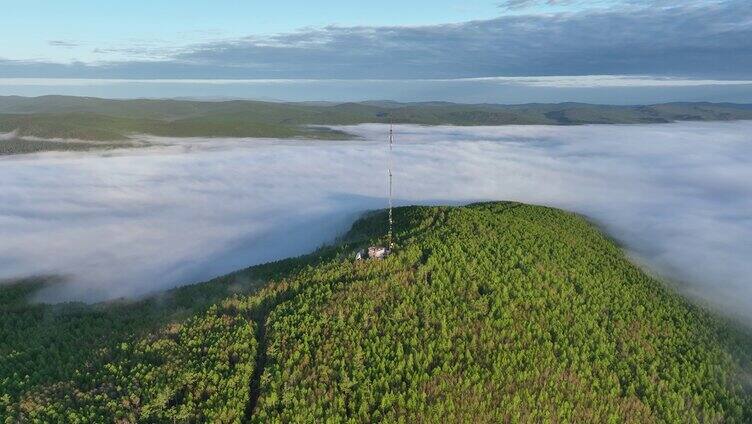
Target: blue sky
82, 26
94, 32
381, 40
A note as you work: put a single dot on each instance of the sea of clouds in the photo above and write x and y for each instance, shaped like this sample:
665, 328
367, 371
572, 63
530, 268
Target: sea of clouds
134, 221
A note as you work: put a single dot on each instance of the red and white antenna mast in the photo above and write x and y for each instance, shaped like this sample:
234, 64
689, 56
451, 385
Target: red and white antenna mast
389, 172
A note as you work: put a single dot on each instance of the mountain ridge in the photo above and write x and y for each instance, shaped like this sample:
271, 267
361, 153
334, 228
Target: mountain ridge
96, 119
482, 311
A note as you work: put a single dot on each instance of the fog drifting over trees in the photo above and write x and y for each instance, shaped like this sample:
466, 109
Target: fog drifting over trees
130, 222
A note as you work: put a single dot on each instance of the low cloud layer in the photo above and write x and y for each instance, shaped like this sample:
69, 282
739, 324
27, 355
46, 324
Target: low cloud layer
693, 38
130, 222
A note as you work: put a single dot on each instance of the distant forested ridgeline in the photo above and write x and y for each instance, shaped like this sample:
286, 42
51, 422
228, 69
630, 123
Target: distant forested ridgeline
14, 145
494, 312
86, 118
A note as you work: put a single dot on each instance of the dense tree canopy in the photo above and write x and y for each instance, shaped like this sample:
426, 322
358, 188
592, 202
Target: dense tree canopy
497, 312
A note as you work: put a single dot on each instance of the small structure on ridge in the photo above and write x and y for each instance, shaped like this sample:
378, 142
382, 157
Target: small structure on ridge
381, 252
378, 252
373, 252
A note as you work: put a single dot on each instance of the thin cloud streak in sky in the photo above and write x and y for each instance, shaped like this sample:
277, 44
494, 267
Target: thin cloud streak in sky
564, 81
606, 89
131, 222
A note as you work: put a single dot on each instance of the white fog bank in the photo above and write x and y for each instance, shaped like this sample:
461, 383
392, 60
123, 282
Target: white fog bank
130, 222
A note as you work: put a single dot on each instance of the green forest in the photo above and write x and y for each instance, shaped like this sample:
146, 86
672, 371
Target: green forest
492, 312
121, 121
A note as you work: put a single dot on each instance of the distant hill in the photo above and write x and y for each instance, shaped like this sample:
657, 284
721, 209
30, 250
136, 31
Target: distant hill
87, 118
495, 312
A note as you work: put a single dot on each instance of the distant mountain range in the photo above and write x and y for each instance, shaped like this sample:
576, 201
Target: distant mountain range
95, 119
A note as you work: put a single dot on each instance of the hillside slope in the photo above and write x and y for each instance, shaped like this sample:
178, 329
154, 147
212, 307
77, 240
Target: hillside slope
88, 118
496, 312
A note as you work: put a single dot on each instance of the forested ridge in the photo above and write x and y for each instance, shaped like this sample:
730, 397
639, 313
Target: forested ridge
494, 312
35, 122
